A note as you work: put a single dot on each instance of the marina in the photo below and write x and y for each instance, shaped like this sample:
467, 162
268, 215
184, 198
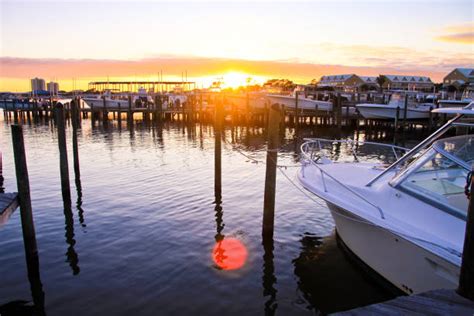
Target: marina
236, 158
241, 146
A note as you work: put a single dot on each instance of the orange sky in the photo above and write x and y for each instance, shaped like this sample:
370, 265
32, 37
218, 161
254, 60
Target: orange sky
93, 41
16, 71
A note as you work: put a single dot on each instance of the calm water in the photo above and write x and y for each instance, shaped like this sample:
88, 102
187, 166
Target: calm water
140, 238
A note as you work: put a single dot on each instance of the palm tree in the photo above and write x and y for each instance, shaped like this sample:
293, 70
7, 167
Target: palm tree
380, 81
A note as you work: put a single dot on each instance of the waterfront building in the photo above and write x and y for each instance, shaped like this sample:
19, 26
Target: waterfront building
459, 78
403, 82
37, 85
347, 82
53, 88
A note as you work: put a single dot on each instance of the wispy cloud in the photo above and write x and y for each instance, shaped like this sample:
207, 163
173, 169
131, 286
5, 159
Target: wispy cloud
460, 34
461, 38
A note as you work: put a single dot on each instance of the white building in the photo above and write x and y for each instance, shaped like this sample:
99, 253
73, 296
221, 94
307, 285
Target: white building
53, 88
37, 84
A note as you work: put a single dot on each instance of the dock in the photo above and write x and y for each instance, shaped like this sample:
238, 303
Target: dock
8, 204
436, 302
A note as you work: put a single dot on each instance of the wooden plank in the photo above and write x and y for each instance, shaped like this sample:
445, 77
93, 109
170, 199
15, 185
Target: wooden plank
8, 204
437, 302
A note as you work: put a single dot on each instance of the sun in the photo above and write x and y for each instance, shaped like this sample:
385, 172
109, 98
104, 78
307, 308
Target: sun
235, 79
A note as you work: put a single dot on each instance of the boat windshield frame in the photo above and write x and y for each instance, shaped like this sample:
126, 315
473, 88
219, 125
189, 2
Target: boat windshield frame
415, 165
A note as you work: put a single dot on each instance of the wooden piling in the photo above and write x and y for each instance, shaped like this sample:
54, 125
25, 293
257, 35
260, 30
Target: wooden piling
466, 278
297, 121
130, 113
405, 110
270, 174
219, 116
339, 111
27, 223
2, 189
75, 149
397, 118
63, 163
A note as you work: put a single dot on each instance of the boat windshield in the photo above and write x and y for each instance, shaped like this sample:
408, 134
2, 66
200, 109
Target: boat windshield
461, 147
439, 175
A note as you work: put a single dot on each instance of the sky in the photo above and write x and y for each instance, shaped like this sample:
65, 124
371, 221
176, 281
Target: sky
127, 40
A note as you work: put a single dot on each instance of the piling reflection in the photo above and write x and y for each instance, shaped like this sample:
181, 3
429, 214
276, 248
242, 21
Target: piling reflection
21, 307
71, 256
269, 279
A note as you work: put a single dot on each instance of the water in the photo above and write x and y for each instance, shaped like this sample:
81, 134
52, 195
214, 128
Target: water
139, 239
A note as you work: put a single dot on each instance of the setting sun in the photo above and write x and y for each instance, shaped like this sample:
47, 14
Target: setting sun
236, 79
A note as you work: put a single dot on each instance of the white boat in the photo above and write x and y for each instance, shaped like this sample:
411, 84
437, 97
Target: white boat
466, 98
389, 111
406, 220
112, 102
289, 101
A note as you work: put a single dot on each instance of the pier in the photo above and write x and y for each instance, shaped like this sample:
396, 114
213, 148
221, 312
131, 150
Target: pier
237, 108
437, 302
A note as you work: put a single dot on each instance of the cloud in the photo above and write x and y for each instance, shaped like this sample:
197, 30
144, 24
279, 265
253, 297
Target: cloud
459, 38
459, 34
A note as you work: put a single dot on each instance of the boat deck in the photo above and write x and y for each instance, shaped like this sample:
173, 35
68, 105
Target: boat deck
437, 302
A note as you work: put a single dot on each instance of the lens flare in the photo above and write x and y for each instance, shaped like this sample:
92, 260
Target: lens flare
229, 254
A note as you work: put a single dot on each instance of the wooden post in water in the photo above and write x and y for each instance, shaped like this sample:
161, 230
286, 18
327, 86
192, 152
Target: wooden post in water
75, 149
105, 114
130, 113
339, 111
297, 121
26, 214
466, 278
2, 189
63, 163
156, 114
270, 174
405, 110
430, 120
217, 150
397, 118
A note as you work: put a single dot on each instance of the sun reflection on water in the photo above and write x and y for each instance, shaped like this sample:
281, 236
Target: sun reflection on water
229, 254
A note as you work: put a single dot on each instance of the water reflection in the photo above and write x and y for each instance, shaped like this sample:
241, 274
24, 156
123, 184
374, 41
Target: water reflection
21, 307
328, 281
71, 255
269, 279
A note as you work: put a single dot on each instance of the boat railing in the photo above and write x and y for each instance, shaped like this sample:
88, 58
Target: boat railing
316, 149
313, 146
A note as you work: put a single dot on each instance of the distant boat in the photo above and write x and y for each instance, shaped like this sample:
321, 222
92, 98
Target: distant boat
406, 220
139, 100
466, 98
289, 101
389, 111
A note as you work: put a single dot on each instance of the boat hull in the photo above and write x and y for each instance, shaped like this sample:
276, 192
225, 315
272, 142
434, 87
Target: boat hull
303, 103
109, 104
384, 112
401, 262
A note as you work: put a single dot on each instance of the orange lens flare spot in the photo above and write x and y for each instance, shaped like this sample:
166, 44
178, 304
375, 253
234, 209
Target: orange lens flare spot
229, 254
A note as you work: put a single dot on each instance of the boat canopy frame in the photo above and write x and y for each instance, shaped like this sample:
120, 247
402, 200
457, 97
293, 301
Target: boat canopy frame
308, 152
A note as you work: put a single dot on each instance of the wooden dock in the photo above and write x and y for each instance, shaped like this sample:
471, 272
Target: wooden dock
8, 204
437, 302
